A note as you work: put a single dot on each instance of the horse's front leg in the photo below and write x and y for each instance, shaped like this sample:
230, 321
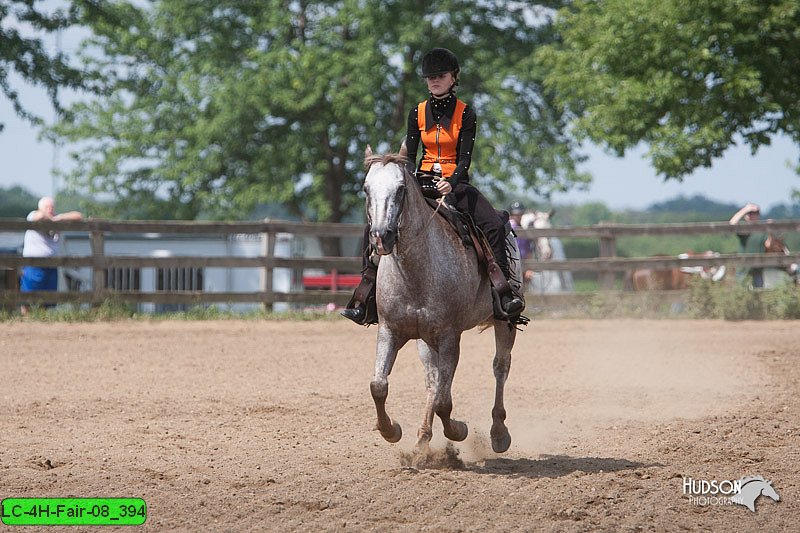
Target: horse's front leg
440, 368
387, 347
504, 340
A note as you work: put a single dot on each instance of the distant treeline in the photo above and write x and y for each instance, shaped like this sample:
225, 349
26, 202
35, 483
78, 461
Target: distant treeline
697, 208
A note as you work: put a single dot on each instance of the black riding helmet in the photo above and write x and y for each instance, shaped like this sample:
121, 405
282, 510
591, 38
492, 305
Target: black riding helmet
517, 208
440, 61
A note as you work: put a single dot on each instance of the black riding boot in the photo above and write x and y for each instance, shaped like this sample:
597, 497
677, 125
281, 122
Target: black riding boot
362, 308
511, 302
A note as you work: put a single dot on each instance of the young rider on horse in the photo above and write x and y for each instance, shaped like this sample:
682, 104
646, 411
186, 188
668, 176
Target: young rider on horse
446, 126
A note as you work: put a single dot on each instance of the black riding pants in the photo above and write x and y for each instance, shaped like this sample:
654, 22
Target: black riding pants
468, 199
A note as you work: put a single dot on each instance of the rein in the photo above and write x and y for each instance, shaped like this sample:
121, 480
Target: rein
439, 203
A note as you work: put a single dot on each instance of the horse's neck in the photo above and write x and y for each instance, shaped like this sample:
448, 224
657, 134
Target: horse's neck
544, 248
419, 229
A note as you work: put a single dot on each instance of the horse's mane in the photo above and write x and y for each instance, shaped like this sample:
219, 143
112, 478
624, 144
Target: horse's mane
386, 159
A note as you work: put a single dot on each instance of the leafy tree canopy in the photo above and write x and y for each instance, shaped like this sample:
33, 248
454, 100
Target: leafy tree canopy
686, 77
216, 108
22, 51
697, 204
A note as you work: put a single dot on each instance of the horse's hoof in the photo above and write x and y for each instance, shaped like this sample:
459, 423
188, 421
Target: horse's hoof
501, 440
422, 447
459, 431
395, 435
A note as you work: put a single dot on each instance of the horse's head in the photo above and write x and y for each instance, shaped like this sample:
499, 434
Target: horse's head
775, 245
539, 219
385, 189
769, 491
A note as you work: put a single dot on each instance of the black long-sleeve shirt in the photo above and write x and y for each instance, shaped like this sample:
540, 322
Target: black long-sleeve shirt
441, 112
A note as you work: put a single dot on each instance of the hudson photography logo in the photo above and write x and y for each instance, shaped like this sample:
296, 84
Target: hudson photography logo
744, 491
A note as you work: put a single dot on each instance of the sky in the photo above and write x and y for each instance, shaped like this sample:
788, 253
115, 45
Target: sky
766, 178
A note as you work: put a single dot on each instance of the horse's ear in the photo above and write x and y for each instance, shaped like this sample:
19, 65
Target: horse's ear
403, 149
551, 212
367, 157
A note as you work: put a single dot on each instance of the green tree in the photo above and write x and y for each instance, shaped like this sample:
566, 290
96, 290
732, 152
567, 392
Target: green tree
27, 55
689, 78
591, 213
216, 108
16, 202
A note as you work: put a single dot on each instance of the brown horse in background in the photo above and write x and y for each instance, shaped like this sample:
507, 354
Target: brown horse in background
775, 245
650, 279
673, 279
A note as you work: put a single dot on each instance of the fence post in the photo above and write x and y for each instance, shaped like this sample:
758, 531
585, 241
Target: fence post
267, 251
97, 242
608, 248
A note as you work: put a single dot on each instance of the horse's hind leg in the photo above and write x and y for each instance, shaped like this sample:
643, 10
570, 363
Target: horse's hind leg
440, 367
504, 340
387, 347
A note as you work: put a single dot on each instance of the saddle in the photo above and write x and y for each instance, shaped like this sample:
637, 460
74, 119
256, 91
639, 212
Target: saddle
471, 235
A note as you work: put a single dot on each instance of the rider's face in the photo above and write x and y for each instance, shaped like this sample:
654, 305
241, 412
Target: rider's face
439, 84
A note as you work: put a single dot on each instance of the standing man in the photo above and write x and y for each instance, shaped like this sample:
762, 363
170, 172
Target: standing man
525, 245
43, 244
751, 243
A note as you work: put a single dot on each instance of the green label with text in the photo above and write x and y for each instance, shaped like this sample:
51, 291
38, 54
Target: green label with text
73, 511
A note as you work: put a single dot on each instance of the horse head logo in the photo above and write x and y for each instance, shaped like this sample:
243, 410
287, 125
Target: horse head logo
751, 488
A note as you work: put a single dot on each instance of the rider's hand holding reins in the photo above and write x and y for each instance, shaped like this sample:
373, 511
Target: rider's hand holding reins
444, 187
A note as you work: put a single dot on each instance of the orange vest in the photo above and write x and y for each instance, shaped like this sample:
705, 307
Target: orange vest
440, 143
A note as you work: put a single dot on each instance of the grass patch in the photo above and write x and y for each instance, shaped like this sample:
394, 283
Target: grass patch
111, 310
740, 302
704, 300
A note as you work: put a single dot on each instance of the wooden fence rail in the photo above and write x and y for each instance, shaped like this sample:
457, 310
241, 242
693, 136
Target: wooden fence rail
99, 261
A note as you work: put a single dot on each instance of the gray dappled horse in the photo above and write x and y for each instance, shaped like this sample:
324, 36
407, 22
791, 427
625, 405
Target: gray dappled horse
429, 288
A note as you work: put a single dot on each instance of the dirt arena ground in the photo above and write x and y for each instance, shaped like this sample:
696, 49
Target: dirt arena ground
253, 426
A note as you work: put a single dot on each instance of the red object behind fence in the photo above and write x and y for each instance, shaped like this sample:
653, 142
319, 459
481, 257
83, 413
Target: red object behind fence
333, 281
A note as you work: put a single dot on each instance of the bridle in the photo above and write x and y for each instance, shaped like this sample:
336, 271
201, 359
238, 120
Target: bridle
403, 197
